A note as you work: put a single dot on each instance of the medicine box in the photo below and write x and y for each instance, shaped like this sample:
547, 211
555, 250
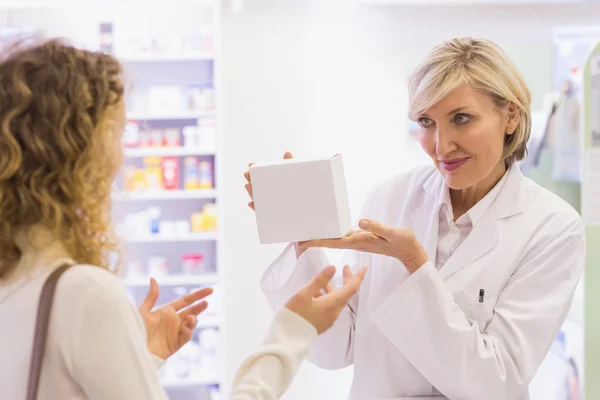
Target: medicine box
299, 200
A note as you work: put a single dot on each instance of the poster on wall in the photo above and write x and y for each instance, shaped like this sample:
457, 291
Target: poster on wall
572, 46
560, 376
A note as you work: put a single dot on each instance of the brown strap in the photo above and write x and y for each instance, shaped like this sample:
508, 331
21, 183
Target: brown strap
41, 330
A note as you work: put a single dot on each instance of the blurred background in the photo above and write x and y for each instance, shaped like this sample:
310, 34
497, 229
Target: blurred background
214, 85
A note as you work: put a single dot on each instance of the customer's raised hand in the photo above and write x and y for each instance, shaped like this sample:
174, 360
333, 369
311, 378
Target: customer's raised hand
286, 156
321, 310
172, 325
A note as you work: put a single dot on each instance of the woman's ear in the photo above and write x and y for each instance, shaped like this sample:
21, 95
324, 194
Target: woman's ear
513, 119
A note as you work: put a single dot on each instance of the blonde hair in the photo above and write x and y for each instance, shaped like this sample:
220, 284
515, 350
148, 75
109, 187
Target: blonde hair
484, 66
55, 159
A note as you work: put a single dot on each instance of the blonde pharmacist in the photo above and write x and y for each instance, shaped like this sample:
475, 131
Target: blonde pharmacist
472, 266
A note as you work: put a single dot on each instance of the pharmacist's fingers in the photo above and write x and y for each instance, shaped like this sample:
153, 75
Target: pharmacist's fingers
287, 155
328, 288
251, 205
249, 190
247, 176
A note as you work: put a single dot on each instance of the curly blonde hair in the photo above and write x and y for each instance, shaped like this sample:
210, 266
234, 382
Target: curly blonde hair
55, 157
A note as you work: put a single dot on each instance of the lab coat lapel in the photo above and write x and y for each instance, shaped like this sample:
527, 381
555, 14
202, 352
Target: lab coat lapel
482, 239
425, 220
485, 235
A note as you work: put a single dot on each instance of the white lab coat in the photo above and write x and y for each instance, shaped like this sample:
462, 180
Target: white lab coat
427, 335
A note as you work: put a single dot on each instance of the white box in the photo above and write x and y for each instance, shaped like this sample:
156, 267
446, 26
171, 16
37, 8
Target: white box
298, 200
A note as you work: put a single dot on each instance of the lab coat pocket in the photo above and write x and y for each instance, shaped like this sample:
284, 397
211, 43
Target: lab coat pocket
476, 311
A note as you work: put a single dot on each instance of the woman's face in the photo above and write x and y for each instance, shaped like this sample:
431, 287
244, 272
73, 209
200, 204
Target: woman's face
118, 121
464, 136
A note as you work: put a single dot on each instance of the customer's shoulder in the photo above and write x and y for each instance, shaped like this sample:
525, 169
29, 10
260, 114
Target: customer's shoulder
89, 279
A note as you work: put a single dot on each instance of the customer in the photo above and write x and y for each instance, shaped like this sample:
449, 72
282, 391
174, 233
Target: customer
61, 117
473, 266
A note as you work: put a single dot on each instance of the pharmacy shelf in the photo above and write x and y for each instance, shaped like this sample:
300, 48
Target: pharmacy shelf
169, 116
191, 237
173, 280
167, 152
150, 57
208, 322
184, 383
167, 195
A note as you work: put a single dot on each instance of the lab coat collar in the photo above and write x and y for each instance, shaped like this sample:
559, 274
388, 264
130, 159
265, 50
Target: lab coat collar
484, 237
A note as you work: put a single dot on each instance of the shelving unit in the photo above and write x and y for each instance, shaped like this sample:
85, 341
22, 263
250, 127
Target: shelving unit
174, 280
162, 46
167, 195
166, 152
190, 237
146, 57
166, 116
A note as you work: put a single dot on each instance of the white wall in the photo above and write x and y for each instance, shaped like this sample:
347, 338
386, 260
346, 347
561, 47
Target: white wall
324, 77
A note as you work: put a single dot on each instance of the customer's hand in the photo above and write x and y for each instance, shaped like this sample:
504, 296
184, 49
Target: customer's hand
286, 156
377, 238
321, 310
172, 325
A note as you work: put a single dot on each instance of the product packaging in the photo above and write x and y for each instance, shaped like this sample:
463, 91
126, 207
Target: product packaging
139, 181
190, 137
197, 222
190, 173
191, 264
165, 99
158, 266
157, 138
207, 135
182, 228
210, 217
172, 137
154, 213
205, 175
170, 172
298, 200
131, 135
154, 173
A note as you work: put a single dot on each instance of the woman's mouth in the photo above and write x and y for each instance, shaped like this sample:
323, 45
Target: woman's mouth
453, 165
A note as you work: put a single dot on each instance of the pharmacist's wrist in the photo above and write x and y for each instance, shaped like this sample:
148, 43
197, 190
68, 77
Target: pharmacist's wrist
299, 249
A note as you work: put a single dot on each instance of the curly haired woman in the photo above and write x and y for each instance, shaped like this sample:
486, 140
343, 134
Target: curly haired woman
61, 116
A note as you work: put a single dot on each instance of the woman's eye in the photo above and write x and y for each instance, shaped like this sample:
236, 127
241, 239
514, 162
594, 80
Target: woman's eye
425, 122
461, 119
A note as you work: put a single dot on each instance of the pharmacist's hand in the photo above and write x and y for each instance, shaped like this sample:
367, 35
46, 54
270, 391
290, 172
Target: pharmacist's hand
322, 310
377, 238
171, 326
286, 156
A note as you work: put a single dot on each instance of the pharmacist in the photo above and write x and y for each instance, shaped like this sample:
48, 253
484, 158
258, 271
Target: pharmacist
472, 266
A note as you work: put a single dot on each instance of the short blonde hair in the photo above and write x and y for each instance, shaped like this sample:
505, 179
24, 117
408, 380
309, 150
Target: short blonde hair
484, 66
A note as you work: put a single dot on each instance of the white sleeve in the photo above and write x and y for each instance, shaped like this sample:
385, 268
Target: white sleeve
466, 361
109, 355
266, 374
286, 276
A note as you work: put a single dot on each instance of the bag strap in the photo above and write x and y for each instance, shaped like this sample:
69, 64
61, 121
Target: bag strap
41, 330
